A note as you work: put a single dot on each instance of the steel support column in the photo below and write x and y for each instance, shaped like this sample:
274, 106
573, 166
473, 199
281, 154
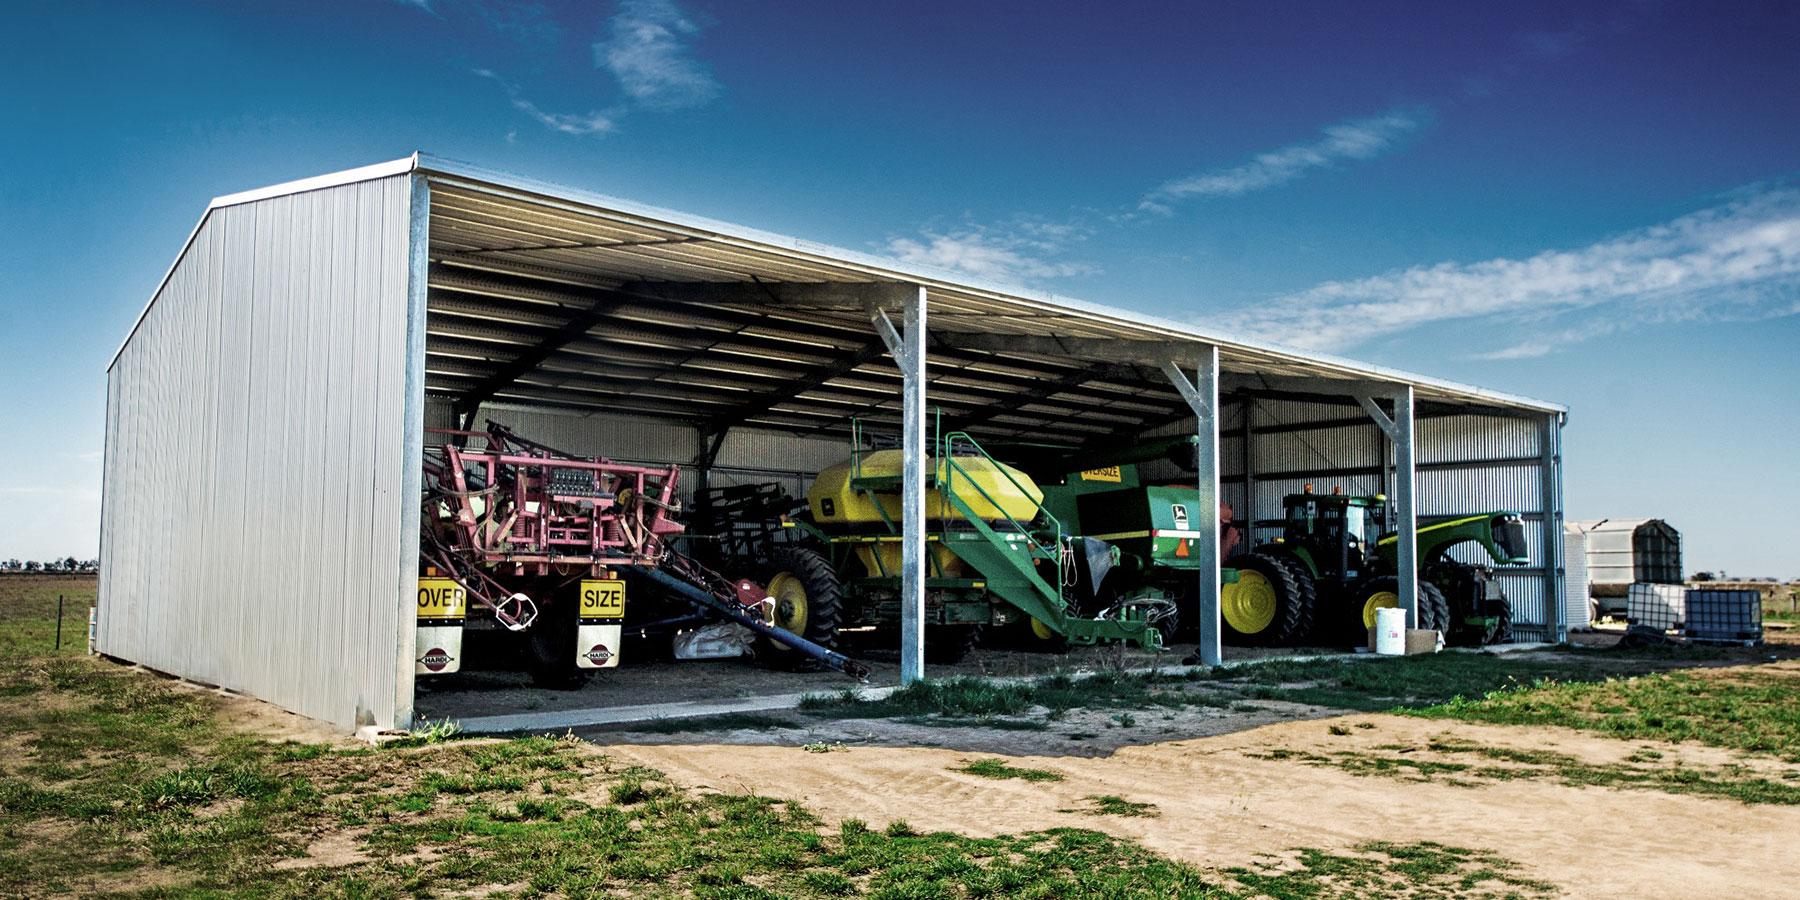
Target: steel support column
1399, 430
412, 442
908, 349
1406, 511
1247, 460
1202, 395
1556, 626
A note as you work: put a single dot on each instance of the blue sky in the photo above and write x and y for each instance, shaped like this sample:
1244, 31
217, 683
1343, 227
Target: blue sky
1595, 204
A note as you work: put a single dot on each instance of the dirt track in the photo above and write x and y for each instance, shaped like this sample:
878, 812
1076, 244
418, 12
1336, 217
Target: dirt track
1222, 807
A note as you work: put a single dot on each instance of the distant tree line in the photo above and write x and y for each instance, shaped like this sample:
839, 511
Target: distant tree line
69, 564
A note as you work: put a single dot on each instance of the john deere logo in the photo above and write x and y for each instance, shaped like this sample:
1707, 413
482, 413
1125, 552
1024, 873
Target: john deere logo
435, 659
599, 655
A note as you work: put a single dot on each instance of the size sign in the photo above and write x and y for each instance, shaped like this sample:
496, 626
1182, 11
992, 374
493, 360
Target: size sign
1107, 473
442, 598
603, 599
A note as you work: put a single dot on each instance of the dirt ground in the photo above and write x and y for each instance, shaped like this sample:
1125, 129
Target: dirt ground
1232, 787
1221, 805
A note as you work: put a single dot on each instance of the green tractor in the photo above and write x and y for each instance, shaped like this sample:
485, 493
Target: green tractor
1351, 572
1265, 598
996, 557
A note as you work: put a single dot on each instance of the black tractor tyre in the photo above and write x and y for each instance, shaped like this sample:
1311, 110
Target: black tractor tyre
551, 649
949, 644
1309, 595
1433, 599
824, 598
1431, 614
1183, 625
1292, 608
1502, 632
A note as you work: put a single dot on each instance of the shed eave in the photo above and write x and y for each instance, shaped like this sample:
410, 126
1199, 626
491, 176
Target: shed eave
1152, 327
1149, 326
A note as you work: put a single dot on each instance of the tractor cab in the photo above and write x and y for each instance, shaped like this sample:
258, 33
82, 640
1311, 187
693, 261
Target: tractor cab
1335, 533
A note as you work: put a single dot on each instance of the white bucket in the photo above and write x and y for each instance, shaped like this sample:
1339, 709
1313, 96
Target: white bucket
1390, 631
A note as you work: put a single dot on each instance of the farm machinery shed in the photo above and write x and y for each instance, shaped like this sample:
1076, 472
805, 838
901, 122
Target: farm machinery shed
267, 412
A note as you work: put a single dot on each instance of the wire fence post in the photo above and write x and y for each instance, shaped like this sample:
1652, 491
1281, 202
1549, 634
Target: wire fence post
59, 605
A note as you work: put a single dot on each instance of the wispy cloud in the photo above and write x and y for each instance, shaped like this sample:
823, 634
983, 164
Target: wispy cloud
648, 54
1019, 251
645, 51
1736, 261
595, 122
1357, 139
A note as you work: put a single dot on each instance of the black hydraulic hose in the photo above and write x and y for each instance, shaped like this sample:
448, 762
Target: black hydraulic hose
823, 655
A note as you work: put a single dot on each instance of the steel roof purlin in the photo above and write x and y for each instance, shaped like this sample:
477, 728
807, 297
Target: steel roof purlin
616, 242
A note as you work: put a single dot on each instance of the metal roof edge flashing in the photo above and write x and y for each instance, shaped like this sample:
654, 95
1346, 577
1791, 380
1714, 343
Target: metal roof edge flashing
320, 182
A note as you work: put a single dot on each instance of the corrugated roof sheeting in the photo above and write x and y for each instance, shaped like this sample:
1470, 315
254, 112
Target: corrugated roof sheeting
253, 472
512, 261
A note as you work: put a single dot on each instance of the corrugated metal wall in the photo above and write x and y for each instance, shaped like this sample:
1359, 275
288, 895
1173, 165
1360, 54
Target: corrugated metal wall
1465, 464
748, 455
253, 482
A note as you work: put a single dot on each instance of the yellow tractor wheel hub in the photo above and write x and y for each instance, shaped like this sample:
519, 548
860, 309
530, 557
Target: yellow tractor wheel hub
1249, 605
1041, 631
789, 595
1375, 601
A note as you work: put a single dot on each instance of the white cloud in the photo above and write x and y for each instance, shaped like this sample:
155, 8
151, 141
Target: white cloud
1358, 139
568, 123
648, 54
1016, 252
1739, 261
596, 122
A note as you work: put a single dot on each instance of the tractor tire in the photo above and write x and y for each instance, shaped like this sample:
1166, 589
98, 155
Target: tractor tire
551, 649
1266, 606
1430, 597
1432, 613
949, 644
1183, 626
809, 599
1309, 595
1502, 633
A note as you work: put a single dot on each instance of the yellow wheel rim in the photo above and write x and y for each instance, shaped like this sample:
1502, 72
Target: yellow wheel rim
1378, 600
1249, 605
790, 602
1041, 631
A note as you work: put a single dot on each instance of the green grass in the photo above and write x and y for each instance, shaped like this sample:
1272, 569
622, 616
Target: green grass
964, 698
1361, 684
998, 768
1465, 768
28, 613
1110, 805
1413, 682
1381, 869
1751, 711
123, 784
